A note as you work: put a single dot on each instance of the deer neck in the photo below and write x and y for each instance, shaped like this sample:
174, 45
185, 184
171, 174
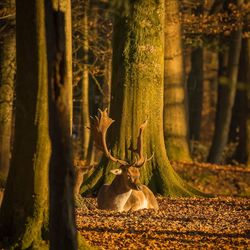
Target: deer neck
120, 186
121, 191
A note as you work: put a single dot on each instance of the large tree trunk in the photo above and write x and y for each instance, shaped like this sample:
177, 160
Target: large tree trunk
175, 93
24, 210
62, 225
226, 96
7, 73
137, 94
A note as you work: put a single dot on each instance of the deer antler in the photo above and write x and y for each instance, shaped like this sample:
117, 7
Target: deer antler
100, 127
139, 147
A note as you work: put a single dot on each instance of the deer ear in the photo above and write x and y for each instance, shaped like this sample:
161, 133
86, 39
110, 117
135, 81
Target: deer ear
116, 171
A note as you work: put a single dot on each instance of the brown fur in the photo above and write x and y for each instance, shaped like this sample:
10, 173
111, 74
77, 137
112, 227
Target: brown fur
126, 193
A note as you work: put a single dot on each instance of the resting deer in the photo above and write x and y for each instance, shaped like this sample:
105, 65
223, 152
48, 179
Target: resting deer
125, 193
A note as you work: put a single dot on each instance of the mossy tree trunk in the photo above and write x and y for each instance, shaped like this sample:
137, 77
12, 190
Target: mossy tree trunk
7, 73
226, 96
24, 212
62, 224
175, 92
62, 227
137, 94
63, 234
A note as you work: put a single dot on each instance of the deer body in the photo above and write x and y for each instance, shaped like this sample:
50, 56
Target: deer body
125, 193
119, 196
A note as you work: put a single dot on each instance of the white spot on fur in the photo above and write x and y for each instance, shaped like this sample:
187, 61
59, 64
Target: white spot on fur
121, 199
144, 204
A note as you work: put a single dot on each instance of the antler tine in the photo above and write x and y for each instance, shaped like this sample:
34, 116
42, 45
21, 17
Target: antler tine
100, 127
139, 150
151, 157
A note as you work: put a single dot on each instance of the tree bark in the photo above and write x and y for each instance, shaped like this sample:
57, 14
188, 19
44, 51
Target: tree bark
248, 103
85, 86
136, 95
24, 211
68, 56
175, 92
238, 129
195, 91
226, 96
62, 227
107, 83
7, 74
240, 124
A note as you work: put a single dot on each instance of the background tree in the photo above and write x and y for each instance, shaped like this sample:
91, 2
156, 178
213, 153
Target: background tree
138, 67
92, 68
195, 86
68, 54
24, 212
7, 74
226, 95
239, 129
85, 84
175, 92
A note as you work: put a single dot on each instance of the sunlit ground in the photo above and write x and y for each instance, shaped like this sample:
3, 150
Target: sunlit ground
183, 223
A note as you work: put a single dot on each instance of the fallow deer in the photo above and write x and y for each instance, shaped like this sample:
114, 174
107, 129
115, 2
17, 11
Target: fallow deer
125, 193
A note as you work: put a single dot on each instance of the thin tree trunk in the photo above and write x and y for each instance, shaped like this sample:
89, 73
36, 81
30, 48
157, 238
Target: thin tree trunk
246, 47
107, 83
24, 211
247, 84
195, 86
68, 56
85, 86
226, 96
7, 73
137, 94
175, 93
238, 129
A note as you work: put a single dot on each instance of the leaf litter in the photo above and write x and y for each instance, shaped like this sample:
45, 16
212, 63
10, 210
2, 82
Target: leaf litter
180, 223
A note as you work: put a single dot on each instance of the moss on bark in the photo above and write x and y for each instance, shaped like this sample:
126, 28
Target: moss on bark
137, 94
7, 73
24, 209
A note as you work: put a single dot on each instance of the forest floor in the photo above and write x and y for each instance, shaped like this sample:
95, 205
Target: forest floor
180, 223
